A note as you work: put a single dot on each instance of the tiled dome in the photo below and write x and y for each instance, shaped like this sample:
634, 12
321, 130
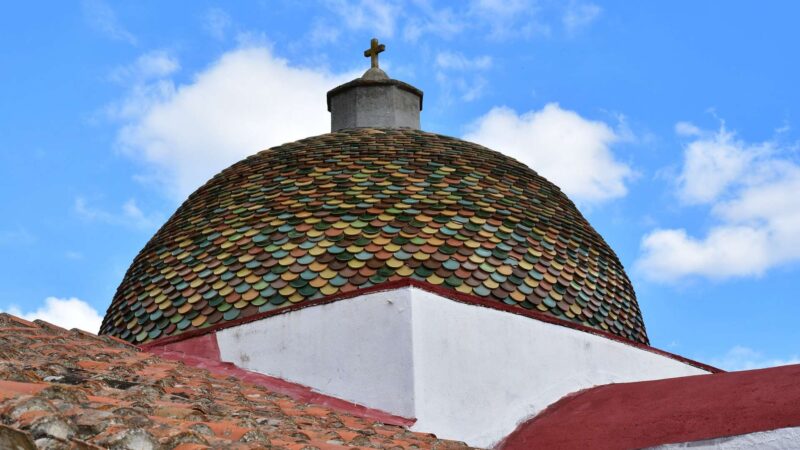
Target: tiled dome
356, 208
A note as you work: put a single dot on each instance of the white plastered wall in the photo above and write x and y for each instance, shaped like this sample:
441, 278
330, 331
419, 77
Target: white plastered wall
479, 372
465, 372
358, 349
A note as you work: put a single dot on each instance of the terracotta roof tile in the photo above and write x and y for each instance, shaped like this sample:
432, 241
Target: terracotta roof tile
74, 390
357, 208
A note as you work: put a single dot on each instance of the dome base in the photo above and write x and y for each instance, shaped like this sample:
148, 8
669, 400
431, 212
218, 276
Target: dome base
447, 363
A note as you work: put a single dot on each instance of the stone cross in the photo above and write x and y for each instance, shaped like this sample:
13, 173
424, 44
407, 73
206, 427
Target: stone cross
373, 50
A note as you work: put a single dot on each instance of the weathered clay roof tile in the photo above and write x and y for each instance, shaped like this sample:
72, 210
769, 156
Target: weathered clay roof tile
63, 389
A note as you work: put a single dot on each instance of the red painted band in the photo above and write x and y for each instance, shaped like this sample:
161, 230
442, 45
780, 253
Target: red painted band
444, 292
670, 411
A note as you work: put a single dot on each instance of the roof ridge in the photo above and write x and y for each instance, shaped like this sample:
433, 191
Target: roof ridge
49, 326
6, 317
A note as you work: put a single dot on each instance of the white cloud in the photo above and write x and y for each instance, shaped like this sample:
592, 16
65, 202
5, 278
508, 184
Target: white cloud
509, 18
670, 254
216, 22
713, 162
467, 87
503, 7
744, 358
444, 22
474, 89
376, 16
460, 87
496, 20
141, 97
154, 64
246, 101
129, 215
751, 191
569, 150
457, 61
103, 19
687, 129
579, 15
65, 312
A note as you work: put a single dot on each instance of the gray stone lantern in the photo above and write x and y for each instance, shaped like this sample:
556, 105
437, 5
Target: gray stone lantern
374, 100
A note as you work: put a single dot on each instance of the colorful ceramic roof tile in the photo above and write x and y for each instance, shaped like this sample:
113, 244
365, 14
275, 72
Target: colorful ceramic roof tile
356, 208
64, 389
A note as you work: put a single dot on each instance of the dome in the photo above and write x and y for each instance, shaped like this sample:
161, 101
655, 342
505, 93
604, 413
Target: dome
356, 208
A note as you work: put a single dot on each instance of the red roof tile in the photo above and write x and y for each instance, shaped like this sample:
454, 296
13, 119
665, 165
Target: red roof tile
74, 390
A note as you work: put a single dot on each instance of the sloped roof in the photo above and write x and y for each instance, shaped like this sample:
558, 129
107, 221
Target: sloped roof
357, 208
81, 391
675, 410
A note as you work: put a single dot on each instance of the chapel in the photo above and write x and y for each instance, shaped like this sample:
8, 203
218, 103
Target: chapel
440, 283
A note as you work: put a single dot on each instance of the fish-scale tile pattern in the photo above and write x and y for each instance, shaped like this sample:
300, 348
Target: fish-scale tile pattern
343, 211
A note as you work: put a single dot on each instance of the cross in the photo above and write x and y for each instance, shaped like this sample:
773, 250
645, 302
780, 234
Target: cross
373, 50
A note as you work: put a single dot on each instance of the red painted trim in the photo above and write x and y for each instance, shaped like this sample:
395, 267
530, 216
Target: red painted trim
438, 290
203, 352
493, 304
204, 346
674, 410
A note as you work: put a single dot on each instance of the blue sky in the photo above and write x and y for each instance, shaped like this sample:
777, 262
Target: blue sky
673, 125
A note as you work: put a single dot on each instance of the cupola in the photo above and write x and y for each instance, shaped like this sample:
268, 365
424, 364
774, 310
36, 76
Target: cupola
374, 100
